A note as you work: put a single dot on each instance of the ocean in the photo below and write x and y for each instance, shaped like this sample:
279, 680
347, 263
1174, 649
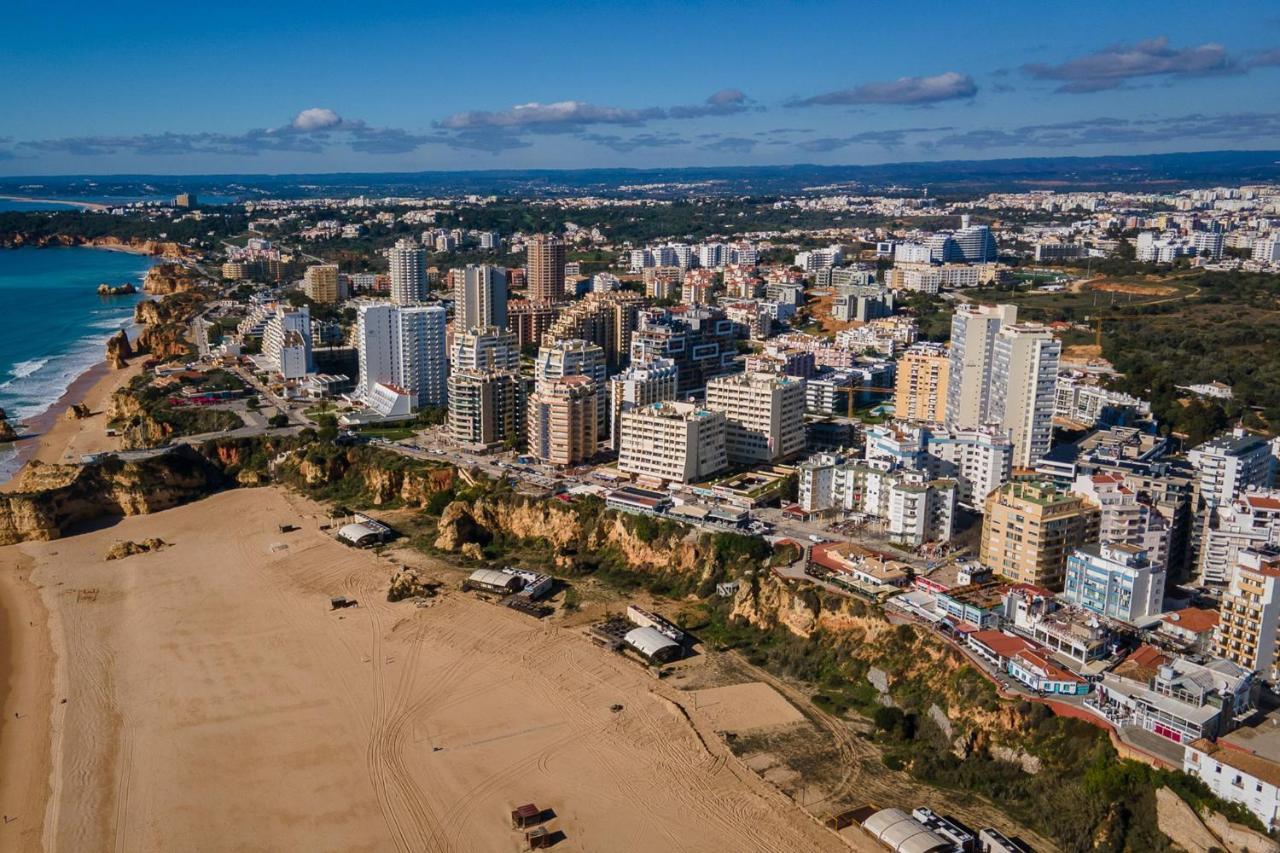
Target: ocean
55, 324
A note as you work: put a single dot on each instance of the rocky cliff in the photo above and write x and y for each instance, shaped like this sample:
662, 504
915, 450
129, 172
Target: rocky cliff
51, 499
155, 248
581, 536
119, 350
163, 279
907, 662
376, 477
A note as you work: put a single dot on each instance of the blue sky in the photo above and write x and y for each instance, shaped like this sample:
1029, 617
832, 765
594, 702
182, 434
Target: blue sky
299, 87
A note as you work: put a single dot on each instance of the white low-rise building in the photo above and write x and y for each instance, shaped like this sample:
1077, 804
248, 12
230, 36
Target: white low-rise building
1237, 776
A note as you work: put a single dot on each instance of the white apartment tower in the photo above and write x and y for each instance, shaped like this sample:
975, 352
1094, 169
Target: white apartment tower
973, 337
765, 414
671, 442
639, 385
408, 262
403, 347
1024, 376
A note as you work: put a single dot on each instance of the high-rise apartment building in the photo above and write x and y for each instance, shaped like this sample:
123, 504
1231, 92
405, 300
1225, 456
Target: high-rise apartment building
408, 263
606, 319
765, 415
486, 408
561, 417
920, 391
320, 283
973, 338
484, 348
1024, 376
574, 357
529, 321
546, 255
671, 442
979, 460
1250, 521
286, 341
639, 385
1029, 529
701, 341
1124, 518
403, 348
1249, 614
479, 297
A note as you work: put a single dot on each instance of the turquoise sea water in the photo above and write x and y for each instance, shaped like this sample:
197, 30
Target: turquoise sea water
53, 325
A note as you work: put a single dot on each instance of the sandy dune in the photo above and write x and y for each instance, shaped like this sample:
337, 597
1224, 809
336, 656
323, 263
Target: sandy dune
216, 703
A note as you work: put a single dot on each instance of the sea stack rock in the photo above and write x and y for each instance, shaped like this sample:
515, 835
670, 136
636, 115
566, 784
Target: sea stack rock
125, 289
7, 432
119, 350
78, 412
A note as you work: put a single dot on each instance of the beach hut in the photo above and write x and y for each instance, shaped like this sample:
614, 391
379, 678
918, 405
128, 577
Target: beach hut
525, 816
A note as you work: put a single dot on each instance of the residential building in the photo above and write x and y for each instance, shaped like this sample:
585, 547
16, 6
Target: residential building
1225, 467
1029, 529
1125, 516
671, 442
573, 357
1116, 580
976, 244
920, 392
1080, 399
1249, 613
700, 340
529, 321
408, 272
979, 460
403, 346
479, 297
1024, 375
912, 507
606, 319
1250, 521
320, 283
484, 348
286, 341
972, 355
765, 414
561, 416
1237, 775
486, 408
639, 385
546, 256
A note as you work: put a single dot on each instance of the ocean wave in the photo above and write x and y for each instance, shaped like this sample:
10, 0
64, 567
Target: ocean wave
25, 368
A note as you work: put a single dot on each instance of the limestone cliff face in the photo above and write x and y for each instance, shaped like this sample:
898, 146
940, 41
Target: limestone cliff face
163, 279
150, 311
378, 477
167, 340
906, 654
569, 532
51, 499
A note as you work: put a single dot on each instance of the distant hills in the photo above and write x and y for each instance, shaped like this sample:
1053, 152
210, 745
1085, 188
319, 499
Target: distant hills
1151, 172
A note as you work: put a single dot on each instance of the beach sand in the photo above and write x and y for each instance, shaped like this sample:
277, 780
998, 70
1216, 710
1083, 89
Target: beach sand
52, 437
215, 702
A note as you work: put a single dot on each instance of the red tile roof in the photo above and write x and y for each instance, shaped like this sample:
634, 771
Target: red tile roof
1197, 620
1051, 670
1002, 645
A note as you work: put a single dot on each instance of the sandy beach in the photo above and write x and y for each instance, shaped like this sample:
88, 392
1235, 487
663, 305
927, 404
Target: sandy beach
215, 702
52, 437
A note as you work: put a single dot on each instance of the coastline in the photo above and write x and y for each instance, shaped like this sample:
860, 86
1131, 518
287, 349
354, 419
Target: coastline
51, 437
83, 205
